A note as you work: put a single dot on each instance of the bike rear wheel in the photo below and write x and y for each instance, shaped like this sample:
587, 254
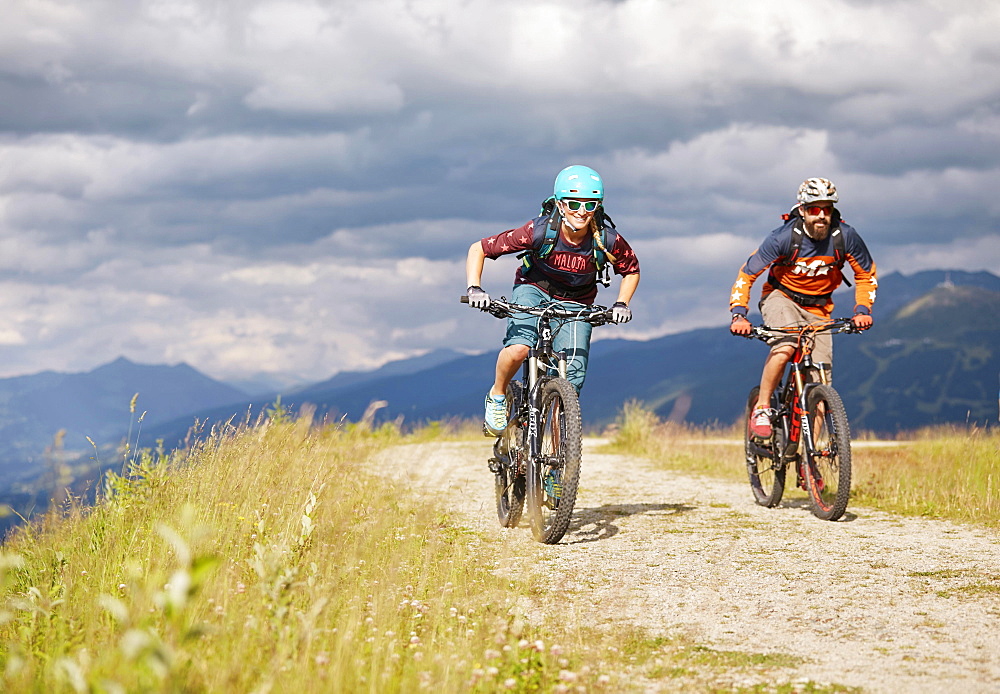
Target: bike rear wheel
764, 465
509, 480
828, 455
553, 477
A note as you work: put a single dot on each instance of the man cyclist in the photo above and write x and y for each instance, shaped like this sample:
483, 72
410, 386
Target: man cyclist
806, 257
563, 249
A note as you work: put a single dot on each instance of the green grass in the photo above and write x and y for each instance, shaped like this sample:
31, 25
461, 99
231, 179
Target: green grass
265, 560
943, 472
274, 558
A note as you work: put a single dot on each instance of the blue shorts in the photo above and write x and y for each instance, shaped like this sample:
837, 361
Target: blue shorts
571, 336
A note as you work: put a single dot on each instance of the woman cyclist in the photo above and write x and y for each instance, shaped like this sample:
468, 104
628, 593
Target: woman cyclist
564, 250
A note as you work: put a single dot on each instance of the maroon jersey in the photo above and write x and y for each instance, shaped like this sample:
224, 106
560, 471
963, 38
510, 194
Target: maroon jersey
568, 272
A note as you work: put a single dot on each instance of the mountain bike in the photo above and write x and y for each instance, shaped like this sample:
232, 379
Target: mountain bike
537, 457
809, 428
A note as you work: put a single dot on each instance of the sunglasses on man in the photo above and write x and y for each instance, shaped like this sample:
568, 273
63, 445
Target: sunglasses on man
817, 210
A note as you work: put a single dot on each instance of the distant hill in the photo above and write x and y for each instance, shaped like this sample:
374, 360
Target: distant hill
95, 404
932, 357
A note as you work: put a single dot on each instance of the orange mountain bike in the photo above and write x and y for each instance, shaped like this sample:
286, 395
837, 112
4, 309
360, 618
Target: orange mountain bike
809, 429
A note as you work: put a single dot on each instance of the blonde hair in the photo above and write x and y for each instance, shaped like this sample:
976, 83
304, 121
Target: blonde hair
596, 230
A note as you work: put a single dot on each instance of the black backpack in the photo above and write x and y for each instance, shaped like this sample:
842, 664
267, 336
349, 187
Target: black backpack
839, 253
552, 221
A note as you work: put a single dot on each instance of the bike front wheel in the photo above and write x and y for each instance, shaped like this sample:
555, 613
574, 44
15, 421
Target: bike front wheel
554, 475
509, 478
827, 453
764, 465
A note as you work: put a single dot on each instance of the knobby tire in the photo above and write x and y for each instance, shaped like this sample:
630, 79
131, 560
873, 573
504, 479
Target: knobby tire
828, 470
550, 506
767, 475
509, 481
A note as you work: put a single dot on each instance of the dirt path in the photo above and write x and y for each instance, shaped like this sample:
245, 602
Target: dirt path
880, 602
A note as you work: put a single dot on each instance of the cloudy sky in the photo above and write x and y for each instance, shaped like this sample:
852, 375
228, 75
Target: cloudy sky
289, 188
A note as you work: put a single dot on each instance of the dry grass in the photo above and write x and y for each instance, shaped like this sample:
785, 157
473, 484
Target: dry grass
941, 472
266, 559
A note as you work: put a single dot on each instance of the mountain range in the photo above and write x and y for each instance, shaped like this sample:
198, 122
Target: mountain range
932, 357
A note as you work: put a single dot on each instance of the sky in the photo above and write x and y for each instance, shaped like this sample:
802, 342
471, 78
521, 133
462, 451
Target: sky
286, 190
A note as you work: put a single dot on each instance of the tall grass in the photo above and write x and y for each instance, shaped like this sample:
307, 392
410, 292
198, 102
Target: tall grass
940, 472
273, 559
946, 472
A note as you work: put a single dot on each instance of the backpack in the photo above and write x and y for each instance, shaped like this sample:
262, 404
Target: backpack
552, 221
839, 254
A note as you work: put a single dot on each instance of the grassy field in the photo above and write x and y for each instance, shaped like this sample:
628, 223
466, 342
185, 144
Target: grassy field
944, 472
275, 559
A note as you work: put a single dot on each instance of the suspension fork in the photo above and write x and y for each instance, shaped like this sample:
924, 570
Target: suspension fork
805, 367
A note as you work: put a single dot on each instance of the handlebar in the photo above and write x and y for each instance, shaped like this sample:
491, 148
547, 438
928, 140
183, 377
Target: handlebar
836, 326
594, 314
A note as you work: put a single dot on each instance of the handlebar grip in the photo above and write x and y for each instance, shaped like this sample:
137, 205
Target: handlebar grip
463, 299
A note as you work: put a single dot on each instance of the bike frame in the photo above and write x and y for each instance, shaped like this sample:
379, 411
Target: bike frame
791, 410
535, 372
537, 369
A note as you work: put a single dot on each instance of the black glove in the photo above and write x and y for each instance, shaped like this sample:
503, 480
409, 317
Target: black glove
478, 298
620, 312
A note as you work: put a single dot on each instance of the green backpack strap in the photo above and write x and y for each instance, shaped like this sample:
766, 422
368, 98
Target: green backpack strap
552, 222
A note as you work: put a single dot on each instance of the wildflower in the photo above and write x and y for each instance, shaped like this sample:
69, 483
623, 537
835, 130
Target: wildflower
522, 644
492, 671
539, 646
557, 650
322, 659
240, 588
490, 654
567, 676
604, 679
509, 683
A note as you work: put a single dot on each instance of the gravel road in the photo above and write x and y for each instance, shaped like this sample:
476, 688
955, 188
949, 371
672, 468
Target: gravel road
875, 601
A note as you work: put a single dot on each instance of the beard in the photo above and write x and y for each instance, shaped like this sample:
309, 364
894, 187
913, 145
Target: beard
817, 230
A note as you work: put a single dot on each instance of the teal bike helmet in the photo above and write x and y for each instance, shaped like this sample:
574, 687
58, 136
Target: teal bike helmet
579, 182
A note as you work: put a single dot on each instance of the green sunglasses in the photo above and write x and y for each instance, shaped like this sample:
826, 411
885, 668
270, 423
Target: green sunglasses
588, 205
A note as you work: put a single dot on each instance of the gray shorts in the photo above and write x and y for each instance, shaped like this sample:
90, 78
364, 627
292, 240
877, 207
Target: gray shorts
781, 312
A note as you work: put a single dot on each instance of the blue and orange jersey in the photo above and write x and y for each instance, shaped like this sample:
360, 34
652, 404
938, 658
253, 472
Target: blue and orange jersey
568, 272
814, 271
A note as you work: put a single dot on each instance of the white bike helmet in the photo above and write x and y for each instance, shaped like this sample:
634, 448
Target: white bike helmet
817, 190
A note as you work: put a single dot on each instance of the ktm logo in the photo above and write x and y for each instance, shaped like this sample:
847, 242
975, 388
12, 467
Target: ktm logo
810, 269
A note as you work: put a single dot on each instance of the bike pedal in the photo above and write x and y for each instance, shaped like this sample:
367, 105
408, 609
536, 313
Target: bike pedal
494, 465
